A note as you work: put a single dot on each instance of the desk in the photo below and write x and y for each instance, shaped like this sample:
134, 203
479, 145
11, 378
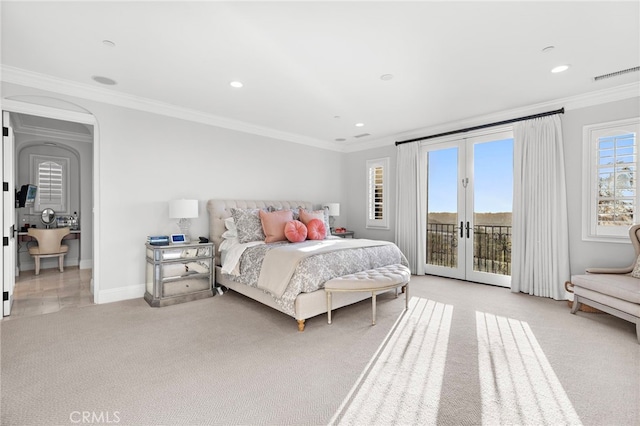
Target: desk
73, 235
345, 234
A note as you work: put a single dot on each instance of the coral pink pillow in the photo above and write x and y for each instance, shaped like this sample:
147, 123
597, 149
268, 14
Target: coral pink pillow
316, 230
273, 224
295, 231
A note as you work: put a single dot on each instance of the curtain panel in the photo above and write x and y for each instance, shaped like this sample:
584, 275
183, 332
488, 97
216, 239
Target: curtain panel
410, 206
540, 240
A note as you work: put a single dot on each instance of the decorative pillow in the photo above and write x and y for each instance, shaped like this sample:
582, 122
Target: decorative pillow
230, 224
636, 270
273, 224
323, 215
295, 231
248, 225
316, 230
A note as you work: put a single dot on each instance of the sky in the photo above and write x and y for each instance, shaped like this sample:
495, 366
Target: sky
493, 178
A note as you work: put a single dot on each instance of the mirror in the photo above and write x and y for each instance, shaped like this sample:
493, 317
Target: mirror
48, 217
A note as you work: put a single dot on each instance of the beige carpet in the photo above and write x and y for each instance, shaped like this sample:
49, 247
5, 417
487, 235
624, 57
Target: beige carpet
228, 360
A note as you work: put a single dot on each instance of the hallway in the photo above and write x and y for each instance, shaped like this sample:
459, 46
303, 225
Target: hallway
50, 291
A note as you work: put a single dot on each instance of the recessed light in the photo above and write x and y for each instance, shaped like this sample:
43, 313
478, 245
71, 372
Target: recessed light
386, 77
560, 68
340, 139
359, 124
108, 43
236, 84
103, 80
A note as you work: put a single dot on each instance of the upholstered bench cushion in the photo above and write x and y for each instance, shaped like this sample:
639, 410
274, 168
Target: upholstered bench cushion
623, 287
378, 278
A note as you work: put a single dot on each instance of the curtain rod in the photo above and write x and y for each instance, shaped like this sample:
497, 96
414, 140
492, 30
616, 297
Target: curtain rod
484, 126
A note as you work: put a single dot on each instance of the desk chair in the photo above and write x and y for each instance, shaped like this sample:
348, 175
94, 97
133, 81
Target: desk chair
49, 245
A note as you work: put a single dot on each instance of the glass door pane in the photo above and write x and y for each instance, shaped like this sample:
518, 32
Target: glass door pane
445, 255
491, 195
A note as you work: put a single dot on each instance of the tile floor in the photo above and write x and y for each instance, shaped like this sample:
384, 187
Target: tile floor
50, 291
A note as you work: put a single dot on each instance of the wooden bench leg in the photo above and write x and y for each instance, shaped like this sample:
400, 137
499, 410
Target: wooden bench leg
301, 325
61, 263
405, 290
37, 259
373, 307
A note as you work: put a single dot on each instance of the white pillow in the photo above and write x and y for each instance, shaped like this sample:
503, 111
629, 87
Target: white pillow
227, 243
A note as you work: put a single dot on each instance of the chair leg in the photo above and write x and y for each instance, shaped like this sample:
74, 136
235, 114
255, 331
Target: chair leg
576, 304
37, 259
61, 263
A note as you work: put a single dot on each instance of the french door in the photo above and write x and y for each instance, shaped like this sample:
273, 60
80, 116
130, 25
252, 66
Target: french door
8, 216
469, 208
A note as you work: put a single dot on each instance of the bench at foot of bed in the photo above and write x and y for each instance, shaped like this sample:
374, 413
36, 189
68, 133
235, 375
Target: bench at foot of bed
373, 280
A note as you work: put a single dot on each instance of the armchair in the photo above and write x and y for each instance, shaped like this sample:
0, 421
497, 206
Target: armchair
613, 290
49, 245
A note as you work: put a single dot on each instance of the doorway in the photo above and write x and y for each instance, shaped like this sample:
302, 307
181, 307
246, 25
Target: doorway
469, 208
47, 128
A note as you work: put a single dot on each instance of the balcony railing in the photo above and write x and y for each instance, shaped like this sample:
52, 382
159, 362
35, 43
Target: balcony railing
491, 247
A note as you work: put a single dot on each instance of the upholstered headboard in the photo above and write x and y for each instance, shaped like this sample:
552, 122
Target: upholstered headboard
219, 210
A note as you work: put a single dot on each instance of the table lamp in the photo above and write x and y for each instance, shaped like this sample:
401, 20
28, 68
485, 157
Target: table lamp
334, 210
183, 210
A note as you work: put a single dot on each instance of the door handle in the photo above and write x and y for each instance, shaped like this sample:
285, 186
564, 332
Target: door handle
461, 229
468, 228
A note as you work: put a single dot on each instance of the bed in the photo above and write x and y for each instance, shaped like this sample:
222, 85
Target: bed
303, 294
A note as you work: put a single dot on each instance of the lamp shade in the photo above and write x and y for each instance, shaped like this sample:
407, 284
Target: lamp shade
181, 209
334, 208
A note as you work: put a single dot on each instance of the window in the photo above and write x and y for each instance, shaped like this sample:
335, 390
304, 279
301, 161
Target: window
50, 175
378, 193
610, 180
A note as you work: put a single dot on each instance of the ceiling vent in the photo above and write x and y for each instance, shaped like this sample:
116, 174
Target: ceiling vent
362, 135
616, 74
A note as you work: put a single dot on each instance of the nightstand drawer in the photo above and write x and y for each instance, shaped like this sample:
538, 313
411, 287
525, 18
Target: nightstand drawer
185, 286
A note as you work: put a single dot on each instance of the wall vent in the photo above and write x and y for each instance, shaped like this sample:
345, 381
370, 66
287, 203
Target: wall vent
615, 74
362, 135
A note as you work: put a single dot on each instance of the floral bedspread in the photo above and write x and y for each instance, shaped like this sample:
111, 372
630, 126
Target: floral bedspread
312, 272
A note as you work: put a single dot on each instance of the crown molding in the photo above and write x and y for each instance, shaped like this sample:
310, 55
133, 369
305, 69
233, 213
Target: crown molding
85, 91
597, 97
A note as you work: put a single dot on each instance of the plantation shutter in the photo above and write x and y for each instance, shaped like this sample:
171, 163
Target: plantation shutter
50, 175
377, 197
50, 184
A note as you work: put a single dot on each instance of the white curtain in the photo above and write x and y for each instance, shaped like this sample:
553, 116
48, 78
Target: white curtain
410, 206
540, 240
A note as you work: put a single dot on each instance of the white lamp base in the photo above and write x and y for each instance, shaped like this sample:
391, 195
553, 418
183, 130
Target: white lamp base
185, 224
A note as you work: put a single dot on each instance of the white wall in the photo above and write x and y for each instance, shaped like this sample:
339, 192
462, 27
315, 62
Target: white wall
145, 160
582, 253
355, 167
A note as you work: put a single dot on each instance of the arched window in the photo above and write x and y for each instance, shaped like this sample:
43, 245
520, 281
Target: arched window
51, 176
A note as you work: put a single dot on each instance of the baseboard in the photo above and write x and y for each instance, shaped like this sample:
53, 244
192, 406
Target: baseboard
120, 293
47, 264
86, 264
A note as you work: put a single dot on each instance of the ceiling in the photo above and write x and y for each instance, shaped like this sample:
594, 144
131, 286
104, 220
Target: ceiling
312, 70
